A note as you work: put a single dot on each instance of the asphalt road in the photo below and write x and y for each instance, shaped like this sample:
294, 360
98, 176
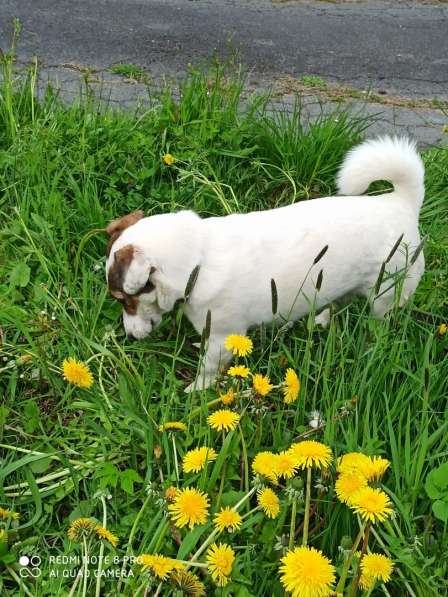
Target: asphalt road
397, 47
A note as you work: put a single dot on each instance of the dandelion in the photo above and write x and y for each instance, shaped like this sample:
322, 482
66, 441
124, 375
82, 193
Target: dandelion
263, 465
352, 462
372, 504
261, 384
223, 420
291, 388
306, 572
220, 559
81, 528
170, 493
103, 533
77, 373
189, 507
172, 426
239, 345
228, 398
168, 159
442, 329
195, 460
375, 468
311, 454
285, 464
375, 566
348, 485
227, 519
161, 566
268, 502
239, 371
5, 514
188, 583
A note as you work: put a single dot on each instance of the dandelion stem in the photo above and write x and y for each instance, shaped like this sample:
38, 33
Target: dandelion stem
216, 531
100, 563
85, 568
348, 561
131, 537
306, 520
250, 512
203, 547
245, 460
357, 574
18, 581
75, 584
198, 410
292, 528
176, 464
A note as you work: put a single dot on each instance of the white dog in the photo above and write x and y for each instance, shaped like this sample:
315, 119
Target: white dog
373, 247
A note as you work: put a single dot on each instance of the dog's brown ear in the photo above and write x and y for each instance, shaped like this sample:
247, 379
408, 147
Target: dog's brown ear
116, 227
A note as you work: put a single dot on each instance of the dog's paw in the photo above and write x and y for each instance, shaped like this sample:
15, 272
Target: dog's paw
323, 318
200, 383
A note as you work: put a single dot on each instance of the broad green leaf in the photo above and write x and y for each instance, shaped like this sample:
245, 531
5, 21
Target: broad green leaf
20, 275
440, 509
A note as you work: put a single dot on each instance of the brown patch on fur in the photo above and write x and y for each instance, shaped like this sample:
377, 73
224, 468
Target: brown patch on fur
115, 279
116, 227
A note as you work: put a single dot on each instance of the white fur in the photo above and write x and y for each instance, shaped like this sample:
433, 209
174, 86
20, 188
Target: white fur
239, 254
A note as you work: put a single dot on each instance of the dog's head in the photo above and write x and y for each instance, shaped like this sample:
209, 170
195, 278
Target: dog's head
129, 273
145, 267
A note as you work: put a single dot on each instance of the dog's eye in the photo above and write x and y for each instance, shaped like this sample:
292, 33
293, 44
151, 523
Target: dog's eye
148, 287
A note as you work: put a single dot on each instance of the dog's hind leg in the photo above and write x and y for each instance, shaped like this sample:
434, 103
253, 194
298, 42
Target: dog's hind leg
384, 300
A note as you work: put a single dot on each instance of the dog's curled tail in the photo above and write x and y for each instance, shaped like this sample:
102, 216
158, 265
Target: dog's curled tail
394, 159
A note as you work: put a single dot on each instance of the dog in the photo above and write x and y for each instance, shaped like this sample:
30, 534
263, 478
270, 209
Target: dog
317, 252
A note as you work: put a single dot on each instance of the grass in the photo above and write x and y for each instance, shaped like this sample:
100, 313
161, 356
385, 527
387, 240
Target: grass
333, 92
380, 387
130, 71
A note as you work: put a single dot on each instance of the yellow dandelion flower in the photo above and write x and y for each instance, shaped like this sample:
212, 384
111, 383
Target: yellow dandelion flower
227, 519
173, 426
261, 384
239, 371
269, 502
168, 159
220, 560
348, 485
170, 493
189, 507
311, 453
80, 528
352, 462
104, 533
375, 566
5, 514
285, 464
442, 329
239, 345
161, 566
188, 583
223, 419
372, 504
263, 464
291, 388
306, 572
77, 373
195, 460
375, 468
228, 398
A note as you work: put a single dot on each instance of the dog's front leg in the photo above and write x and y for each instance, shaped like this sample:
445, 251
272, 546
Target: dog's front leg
215, 356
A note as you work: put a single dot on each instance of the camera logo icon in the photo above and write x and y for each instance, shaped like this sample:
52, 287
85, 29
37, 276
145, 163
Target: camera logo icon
30, 566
